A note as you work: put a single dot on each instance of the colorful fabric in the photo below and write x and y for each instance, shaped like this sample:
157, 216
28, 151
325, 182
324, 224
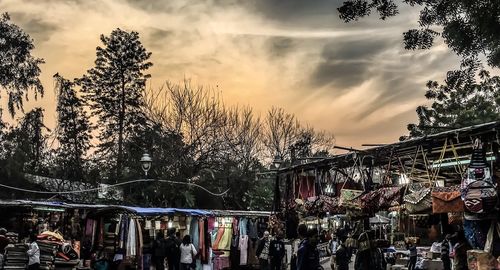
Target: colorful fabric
131, 239
243, 247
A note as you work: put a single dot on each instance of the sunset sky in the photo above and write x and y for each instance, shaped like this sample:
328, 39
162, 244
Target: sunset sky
354, 80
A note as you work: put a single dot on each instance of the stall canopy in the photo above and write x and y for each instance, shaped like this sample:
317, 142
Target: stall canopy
378, 219
139, 211
143, 211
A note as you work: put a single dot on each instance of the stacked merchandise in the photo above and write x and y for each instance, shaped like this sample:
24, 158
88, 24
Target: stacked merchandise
13, 237
66, 257
47, 254
16, 257
109, 242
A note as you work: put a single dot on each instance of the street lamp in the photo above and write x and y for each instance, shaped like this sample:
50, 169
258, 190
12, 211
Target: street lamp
146, 163
277, 198
277, 162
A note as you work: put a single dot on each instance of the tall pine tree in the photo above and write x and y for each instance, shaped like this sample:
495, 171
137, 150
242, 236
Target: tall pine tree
19, 70
114, 89
28, 143
73, 131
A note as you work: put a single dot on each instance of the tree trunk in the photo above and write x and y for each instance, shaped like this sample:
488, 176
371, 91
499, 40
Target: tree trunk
121, 120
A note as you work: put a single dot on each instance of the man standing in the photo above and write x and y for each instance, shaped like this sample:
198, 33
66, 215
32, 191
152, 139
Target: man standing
342, 257
304, 252
262, 251
159, 252
277, 252
173, 252
332, 248
445, 253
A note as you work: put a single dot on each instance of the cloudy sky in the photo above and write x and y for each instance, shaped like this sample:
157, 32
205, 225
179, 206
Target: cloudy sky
354, 80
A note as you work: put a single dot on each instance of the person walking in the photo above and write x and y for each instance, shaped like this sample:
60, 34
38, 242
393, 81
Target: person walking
333, 245
277, 252
412, 247
173, 252
304, 248
33, 254
188, 254
445, 253
159, 252
342, 257
262, 251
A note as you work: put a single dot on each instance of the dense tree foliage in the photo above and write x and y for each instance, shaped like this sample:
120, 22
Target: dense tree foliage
469, 28
19, 70
115, 89
72, 132
462, 100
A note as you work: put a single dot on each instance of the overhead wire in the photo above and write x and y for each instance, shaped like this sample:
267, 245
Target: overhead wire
116, 185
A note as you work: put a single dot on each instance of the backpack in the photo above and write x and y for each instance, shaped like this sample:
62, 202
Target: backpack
478, 191
171, 247
159, 250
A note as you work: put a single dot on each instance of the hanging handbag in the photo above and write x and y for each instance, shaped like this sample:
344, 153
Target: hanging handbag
369, 201
389, 196
446, 199
455, 218
418, 200
349, 198
478, 190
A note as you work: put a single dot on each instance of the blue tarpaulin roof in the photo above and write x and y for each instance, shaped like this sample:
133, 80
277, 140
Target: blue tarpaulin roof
140, 211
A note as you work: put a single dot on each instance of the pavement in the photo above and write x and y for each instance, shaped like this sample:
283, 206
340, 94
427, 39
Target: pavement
326, 264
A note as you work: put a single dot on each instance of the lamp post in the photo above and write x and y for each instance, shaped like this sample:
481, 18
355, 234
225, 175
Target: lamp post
277, 198
146, 162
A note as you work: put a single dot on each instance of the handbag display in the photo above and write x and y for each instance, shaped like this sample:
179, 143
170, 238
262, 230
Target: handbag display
419, 198
478, 190
389, 196
446, 199
349, 198
455, 218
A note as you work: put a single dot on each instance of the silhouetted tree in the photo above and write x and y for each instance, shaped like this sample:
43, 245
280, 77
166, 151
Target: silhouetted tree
462, 100
28, 143
19, 70
115, 91
73, 131
470, 28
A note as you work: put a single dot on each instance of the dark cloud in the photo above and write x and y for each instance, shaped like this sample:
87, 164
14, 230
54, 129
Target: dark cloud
347, 64
37, 28
150, 5
340, 75
157, 37
280, 46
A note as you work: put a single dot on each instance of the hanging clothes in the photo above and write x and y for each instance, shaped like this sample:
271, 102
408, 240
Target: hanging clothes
209, 264
243, 226
235, 226
201, 247
101, 233
139, 245
208, 243
131, 239
306, 186
243, 247
218, 238
253, 229
211, 224
225, 242
195, 233
252, 252
123, 232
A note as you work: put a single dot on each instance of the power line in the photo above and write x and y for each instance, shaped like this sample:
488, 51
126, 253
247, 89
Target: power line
115, 185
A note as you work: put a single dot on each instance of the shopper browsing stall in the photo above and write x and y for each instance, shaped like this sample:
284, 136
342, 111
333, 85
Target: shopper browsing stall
33, 254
